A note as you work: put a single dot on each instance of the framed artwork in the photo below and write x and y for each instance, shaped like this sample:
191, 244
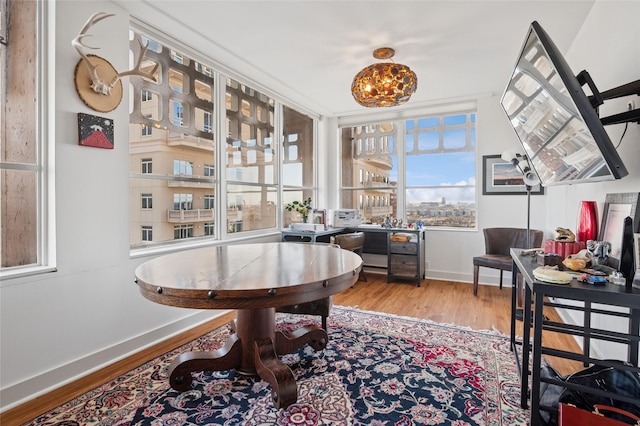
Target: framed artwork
319, 217
616, 208
500, 177
95, 131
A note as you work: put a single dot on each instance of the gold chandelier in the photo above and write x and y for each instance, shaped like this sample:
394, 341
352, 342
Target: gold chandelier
384, 84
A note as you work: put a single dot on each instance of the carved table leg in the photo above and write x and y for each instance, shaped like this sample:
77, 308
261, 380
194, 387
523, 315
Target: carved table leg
225, 358
315, 336
284, 390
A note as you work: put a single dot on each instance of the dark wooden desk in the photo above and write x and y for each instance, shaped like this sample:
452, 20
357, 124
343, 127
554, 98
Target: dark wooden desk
254, 279
596, 299
405, 260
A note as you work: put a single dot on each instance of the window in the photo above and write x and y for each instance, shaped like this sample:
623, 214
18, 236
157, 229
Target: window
178, 113
207, 122
147, 233
209, 201
24, 178
145, 96
146, 130
146, 165
196, 152
147, 201
252, 175
182, 231
297, 161
436, 183
182, 201
182, 167
445, 147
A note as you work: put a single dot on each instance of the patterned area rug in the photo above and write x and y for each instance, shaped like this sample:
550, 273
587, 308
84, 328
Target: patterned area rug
377, 369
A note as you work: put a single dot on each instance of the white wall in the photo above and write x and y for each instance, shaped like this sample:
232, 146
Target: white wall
58, 326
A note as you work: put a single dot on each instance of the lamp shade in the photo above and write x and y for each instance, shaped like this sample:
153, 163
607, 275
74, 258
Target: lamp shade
384, 84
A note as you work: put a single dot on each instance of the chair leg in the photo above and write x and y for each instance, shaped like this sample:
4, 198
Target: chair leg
324, 323
500, 279
476, 269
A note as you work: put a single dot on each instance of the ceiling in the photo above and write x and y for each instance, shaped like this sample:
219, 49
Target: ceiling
309, 51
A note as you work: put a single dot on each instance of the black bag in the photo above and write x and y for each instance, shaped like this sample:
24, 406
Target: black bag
549, 396
611, 379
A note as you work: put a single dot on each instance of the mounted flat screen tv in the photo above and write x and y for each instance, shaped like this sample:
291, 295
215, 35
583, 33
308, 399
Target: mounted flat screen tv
554, 119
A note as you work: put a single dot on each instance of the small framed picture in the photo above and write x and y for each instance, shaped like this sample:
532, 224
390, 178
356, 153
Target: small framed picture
500, 177
95, 131
319, 217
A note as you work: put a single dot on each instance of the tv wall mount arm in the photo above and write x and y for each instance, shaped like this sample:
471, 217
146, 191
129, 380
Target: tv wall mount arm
598, 98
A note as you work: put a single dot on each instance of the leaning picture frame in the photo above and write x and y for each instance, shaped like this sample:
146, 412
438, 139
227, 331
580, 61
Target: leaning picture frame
319, 216
500, 177
616, 208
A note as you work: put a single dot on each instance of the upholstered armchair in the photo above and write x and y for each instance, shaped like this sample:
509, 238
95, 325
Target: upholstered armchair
498, 242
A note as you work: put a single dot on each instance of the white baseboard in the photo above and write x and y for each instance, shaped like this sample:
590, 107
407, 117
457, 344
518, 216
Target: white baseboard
40, 384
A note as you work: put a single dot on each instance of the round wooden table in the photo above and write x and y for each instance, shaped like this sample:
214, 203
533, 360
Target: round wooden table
254, 279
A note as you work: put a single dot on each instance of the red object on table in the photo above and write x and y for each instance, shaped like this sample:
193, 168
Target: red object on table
562, 248
587, 221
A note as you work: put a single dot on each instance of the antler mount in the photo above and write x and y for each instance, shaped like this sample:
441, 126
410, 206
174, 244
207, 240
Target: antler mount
98, 83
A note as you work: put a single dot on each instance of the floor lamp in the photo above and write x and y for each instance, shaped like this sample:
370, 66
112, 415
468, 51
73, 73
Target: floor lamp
531, 179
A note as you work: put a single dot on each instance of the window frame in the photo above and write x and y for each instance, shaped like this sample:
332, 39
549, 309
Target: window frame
220, 73
46, 260
399, 120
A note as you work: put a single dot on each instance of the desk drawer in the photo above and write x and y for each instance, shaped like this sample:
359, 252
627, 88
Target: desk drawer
403, 247
404, 265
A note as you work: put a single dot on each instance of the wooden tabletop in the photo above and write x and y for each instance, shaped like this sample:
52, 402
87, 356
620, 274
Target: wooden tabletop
248, 276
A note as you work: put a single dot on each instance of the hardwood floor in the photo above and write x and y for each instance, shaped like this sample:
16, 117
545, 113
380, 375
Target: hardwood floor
440, 301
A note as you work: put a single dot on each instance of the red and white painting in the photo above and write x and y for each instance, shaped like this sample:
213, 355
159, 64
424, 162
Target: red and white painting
95, 131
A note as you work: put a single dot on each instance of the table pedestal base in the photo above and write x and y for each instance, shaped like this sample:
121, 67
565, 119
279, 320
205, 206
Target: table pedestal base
252, 350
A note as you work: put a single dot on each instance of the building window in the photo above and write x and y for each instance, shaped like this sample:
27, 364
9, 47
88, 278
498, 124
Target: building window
24, 178
147, 233
182, 167
182, 231
209, 229
207, 125
209, 201
178, 113
147, 201
209, 170
443, 145
146, 166
183, 201
146, 96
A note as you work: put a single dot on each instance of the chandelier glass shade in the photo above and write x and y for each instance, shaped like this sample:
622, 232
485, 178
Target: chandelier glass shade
384, 84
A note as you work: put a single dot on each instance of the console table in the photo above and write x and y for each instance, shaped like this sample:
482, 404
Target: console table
405, 260
596, 299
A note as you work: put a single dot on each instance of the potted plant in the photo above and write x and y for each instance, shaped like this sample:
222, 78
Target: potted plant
302, 207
